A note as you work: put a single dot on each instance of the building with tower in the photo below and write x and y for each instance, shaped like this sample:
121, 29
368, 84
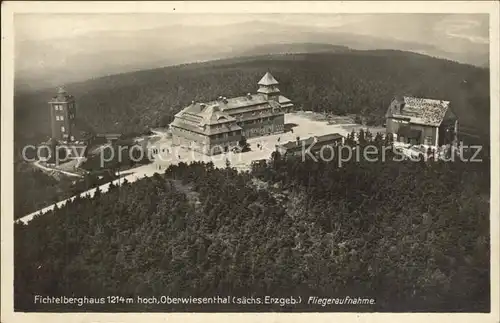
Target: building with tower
69, 138
217, 126
63, 116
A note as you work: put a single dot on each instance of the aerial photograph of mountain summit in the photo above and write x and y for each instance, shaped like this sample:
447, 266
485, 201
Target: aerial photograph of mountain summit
244, 162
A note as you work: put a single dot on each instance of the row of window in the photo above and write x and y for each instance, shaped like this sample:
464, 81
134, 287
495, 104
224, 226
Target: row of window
262, 130
61, 118
254, 121
226, 134
60, 107
187, 131
249, 114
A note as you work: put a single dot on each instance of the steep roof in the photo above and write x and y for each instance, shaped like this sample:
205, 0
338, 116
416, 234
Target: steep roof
268, 79
202, 113
197, 116
422, 111
213, 115
201, 129
241, 102
284, 100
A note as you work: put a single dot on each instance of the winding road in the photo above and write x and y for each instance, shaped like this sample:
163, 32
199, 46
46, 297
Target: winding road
135, 174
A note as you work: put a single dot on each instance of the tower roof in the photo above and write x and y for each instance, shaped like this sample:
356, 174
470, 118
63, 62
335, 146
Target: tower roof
268, 79
62, 96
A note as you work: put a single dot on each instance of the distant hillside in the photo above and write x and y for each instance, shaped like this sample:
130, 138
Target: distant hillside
52, 62
294, 48
360, 82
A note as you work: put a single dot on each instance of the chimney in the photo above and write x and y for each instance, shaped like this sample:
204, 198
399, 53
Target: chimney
397, 106
400, 107
192, 102
219, 98
224, 99
249, 96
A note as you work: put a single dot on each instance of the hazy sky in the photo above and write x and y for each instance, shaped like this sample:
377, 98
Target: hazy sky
415, 27
90, 45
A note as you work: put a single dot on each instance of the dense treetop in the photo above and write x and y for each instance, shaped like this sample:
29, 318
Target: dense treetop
414, 235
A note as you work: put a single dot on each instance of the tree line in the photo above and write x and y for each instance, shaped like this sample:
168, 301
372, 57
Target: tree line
355, 82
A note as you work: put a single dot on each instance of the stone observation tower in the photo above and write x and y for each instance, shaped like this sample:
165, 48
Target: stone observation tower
62, 116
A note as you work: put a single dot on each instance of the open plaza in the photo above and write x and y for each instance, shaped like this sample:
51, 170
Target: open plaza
298, 124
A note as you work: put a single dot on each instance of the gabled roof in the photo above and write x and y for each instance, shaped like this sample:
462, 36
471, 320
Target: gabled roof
201, 129
422, 111
213, 115
198, 117
241, 102
267, 80
201, 113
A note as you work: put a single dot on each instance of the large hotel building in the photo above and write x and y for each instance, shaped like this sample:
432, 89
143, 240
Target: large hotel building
218, 126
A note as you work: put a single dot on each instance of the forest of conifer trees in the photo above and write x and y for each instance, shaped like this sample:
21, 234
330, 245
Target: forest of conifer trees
412, 235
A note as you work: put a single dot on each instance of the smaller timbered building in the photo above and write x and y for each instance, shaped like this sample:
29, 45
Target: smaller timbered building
420, 121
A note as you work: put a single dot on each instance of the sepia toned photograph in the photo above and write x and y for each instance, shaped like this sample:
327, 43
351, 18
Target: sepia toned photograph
252, 162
